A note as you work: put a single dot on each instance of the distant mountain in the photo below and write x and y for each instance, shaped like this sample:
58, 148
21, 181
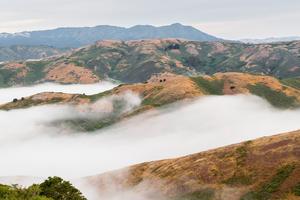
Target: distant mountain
19, 52
76, 37
270, 40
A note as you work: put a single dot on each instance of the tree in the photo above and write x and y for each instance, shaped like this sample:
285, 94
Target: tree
16, 192
58, 189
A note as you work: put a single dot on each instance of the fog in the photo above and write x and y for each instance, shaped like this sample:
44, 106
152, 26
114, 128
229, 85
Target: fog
30, 147
8, 94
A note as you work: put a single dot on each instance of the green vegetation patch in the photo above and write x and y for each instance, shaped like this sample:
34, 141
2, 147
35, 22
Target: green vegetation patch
54, 188
205, 194
6, 77
266, 191
274, 97
296, 189
58, 189
292, 82
213, 87
36, 71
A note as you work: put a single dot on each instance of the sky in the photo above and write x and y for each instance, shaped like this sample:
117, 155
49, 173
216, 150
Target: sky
230, 19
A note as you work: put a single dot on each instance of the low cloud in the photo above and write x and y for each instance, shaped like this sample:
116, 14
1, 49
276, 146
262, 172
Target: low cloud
27, 140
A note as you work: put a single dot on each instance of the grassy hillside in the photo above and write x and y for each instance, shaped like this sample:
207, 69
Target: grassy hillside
263, 169
137, 61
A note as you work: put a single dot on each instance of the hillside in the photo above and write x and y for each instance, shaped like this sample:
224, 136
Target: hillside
137, 61
262, 169
16, 53
164, 89
77, 37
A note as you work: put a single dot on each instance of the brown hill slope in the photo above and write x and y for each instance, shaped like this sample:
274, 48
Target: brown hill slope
266, 168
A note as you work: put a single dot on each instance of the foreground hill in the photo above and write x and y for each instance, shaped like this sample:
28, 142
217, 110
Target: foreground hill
164, 89
262, 169
137, 61
76, 37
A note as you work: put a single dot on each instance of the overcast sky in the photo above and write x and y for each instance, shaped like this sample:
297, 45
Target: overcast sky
232, 19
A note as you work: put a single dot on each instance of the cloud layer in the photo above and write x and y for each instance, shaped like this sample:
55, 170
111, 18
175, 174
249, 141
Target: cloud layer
26, 140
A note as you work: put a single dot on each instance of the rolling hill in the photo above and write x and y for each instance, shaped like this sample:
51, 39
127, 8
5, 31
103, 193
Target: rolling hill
137, 61
262, 169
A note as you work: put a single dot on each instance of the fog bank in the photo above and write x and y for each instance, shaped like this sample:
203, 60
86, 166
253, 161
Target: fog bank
207, 123
8, 94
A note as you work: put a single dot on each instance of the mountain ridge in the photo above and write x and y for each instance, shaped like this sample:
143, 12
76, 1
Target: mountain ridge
70, 37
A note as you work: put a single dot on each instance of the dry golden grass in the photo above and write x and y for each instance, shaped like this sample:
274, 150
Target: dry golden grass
259, 160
